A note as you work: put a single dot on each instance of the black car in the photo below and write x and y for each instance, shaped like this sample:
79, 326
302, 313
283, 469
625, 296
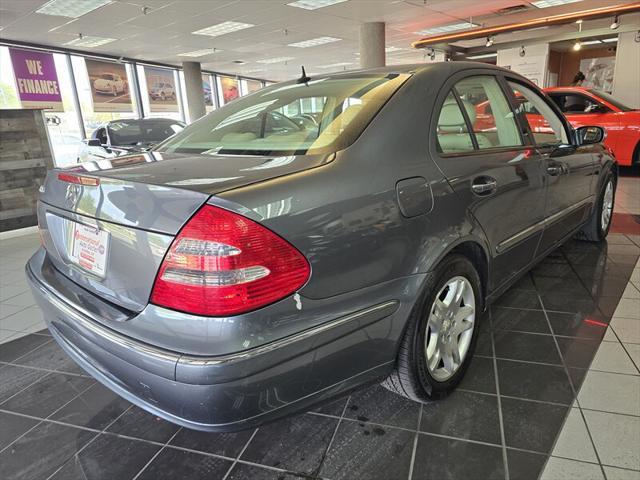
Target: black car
122, 137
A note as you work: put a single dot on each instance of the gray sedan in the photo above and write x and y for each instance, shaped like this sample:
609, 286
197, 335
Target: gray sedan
251, 266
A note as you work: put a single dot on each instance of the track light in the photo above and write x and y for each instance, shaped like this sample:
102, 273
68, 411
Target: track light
522, 51
489, 42
615, 24
577, 46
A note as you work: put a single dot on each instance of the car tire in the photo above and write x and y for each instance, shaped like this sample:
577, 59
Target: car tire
596, 229
413, 377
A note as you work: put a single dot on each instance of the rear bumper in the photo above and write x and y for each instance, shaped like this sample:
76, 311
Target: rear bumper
228, 392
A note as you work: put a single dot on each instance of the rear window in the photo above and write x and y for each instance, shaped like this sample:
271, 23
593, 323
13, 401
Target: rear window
321, 116
142, 132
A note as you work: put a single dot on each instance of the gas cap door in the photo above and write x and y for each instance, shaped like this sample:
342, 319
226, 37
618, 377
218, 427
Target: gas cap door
414, 196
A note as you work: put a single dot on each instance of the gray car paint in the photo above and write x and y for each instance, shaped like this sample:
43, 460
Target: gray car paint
370, 226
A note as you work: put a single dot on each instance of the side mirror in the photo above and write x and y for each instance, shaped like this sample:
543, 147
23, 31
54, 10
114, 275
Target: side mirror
589, 135
93, 142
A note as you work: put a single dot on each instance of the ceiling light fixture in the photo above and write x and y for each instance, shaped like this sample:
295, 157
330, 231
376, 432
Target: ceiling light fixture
592, 42
615, 24
447, 28
523, 51
223, 28
577, 46
88, 41
275, 60
314, 4
489, 42
484, 55
609, 40
552, 3
71, 8
199, 53
314, 42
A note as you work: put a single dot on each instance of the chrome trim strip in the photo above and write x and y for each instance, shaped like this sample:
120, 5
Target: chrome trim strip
521, 235
234, 357
84, 319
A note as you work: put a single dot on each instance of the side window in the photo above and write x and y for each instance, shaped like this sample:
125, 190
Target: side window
576, 104
492, 120
453, 135
545, 124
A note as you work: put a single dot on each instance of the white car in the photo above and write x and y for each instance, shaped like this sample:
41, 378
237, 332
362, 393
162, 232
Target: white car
110, 83
162, 91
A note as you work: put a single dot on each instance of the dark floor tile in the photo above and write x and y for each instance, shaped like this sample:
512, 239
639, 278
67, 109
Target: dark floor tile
525, 283
140, 424
47, 395
378, 405
597, 274
526, 347
519, 299
108, 457
569, 286
525, 465
444, 459
16, 348
624, 260
480, 376
333, 407
560, 270
576, 325
50, 357
578, 352
472, 416
173, 464
242, 471
609, 286
546, 383
570, 303
532, 425
577, 376
95, 408
13, 379
608, 305
583, 253
42, 451
12, 426
225, 444
368, 452
296, 443
533, 321
483, 344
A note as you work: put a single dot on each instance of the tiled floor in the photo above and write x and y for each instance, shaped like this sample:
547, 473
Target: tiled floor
553, 393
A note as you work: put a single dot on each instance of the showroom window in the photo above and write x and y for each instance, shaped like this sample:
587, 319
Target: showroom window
162, 94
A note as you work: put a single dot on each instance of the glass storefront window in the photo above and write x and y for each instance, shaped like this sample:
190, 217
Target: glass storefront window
144, 93
248, 86
8, 93
92, 119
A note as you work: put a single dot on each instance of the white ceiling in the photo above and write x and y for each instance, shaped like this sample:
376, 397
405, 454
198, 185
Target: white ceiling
165, 30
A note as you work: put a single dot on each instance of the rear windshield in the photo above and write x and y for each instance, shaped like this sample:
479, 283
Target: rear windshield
321, 116
612, 100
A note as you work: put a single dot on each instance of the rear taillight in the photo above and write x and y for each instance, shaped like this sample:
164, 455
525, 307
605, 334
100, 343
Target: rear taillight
222, 263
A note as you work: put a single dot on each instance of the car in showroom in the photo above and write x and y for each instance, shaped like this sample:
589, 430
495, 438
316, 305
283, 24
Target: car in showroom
111, 84
122, 137
587, 106
249, 268
162, 91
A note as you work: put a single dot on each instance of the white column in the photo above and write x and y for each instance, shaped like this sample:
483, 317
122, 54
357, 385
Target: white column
372, 40
626, 76
193, 89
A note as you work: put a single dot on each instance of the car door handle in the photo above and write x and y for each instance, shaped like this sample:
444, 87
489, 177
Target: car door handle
484, 185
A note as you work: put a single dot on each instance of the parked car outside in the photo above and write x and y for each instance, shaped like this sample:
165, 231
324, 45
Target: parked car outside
110, 83
587, 106
122, 137
162, 91
248, 267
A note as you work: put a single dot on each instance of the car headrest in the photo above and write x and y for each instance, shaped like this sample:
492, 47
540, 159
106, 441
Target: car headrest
451, 119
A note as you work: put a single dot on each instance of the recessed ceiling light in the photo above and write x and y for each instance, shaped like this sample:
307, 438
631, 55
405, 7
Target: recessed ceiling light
484, 55
314, 42
223, 28
392, 49
87, 41
199, 53
314, 4
71, 8
577, 46
552, 3
612, 39
275, 60
591, 42
447, 28
339, 64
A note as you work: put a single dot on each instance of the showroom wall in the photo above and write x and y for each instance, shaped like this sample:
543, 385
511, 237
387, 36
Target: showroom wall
570, 61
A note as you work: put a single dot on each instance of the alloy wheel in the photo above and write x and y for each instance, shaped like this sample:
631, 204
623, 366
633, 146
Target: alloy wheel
450, 328
607, 206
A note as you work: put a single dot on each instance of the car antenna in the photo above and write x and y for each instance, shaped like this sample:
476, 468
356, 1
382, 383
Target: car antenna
304, 78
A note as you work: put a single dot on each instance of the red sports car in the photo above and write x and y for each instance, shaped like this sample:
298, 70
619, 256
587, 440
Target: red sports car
586, 106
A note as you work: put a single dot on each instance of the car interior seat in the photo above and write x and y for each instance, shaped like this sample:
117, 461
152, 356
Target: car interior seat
452, 129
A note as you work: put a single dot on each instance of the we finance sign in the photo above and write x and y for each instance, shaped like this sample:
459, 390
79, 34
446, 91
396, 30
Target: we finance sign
36, 79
